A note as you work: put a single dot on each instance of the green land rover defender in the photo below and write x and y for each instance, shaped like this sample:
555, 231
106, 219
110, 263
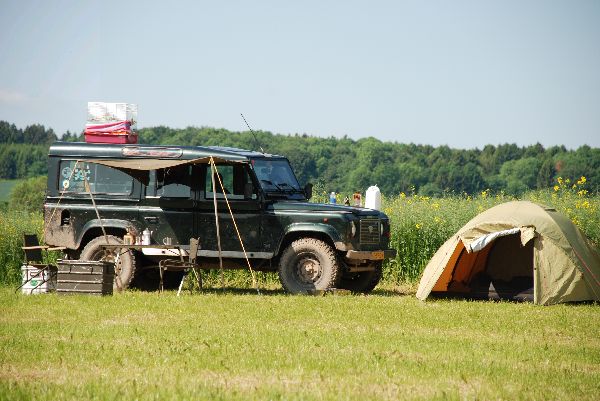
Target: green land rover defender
164, 195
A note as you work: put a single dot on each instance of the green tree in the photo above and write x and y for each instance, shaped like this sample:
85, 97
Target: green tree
520, 175
545, 178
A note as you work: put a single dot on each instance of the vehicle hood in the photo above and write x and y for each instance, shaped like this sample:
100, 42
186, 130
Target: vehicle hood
323, 207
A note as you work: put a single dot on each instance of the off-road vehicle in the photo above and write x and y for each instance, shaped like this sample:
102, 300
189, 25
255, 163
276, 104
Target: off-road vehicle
167, 192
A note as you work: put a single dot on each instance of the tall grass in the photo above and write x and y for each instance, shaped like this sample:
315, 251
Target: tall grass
420, 225
12, 226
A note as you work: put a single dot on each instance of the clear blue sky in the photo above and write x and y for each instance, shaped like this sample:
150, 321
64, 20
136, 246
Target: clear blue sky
461, 73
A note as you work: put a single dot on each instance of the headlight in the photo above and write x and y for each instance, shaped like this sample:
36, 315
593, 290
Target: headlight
353, 228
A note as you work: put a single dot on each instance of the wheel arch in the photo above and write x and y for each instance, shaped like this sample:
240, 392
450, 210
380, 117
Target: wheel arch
322, 232
93, 229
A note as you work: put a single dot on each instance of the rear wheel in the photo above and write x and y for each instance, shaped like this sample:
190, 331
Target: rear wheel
124, 259
363, 281
308, 264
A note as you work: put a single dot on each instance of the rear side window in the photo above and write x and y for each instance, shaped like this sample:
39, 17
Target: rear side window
102, 179
174, 182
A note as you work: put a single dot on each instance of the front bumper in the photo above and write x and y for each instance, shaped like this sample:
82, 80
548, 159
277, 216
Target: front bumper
371, 255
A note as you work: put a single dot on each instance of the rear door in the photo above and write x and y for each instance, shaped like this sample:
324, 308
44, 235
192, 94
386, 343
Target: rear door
246, 211
169, 209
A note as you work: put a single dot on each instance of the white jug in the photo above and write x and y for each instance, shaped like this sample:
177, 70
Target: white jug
373, 198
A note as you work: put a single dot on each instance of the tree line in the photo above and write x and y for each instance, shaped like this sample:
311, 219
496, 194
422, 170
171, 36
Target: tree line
346, 165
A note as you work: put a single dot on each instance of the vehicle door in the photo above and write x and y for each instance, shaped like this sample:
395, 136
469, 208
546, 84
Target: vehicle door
168, 211
236, 178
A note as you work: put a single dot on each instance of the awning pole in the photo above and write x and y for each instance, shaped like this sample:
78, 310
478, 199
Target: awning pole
254, 283
62, 193
214, 188
118, 280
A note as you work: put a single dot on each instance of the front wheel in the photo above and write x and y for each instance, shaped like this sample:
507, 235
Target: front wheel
124, 259
308, 264
363, 282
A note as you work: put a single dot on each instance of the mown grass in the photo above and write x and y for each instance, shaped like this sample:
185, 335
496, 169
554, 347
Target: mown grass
240, 345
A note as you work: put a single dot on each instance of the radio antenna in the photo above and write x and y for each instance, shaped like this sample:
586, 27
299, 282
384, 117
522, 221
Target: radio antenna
253, 134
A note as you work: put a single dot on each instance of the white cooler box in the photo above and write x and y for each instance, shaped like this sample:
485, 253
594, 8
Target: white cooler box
38, 281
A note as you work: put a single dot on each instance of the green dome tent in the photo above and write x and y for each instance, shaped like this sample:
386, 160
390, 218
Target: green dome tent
517, 250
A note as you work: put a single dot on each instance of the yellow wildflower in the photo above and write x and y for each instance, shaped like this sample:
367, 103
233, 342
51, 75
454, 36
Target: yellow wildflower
418, 226
581, 181
556, 188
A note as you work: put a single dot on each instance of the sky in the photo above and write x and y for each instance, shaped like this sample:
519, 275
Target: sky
457, 73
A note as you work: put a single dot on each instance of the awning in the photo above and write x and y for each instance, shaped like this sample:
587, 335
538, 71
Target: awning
151, 164
139, 168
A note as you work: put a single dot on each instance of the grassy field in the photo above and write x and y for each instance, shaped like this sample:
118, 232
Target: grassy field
237, 344
240, 345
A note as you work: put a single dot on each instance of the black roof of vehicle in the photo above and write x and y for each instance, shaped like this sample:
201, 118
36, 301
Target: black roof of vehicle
119, 151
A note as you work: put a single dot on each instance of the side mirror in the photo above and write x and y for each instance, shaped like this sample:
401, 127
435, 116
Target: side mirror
248, 190
308, 190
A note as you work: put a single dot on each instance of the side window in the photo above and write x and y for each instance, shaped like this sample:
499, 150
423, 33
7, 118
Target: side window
102, 179
234, 179
174, 182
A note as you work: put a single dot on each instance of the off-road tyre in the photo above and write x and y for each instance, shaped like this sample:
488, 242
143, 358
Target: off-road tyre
363, 282
125, 265
308, 264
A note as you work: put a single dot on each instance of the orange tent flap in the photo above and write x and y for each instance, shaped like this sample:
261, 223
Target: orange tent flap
442, 283
470, 264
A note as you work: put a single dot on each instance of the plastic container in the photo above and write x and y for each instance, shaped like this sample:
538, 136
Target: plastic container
146, 237
373, 198
38, 281
110, 138
111, 123
106, 113
332, 198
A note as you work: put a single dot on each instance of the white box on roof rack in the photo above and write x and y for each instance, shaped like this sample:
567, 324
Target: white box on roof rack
104, 113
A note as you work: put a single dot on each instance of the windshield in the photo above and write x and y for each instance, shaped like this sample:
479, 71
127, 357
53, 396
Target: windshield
276, 176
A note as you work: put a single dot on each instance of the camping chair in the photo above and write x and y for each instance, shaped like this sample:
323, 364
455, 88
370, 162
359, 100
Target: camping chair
34, 258
182, 265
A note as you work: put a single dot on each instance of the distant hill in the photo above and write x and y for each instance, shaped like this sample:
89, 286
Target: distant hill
345, 165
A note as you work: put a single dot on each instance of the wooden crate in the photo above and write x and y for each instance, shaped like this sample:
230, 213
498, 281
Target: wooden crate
85, 277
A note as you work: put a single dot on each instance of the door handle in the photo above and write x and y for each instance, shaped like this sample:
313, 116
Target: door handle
151, 219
